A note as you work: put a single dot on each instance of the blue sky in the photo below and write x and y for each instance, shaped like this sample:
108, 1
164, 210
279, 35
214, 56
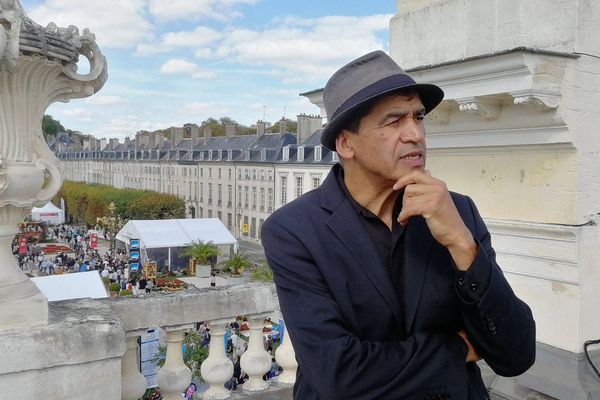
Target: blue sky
176, 61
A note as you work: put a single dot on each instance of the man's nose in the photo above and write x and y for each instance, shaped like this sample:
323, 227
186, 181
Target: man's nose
413, 131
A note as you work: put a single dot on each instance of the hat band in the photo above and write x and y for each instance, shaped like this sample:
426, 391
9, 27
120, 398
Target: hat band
375, 89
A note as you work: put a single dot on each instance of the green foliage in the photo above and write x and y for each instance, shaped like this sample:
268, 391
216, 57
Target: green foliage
262, 273
201, 251
236, 265
105, 280
292, 126
114, 287
87, 203
193, 357
50, 126
125, 292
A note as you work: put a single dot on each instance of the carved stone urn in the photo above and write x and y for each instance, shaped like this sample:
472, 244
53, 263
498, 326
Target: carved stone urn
38, 66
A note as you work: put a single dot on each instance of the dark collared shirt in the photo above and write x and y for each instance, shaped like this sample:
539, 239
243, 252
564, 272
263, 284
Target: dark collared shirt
389, 243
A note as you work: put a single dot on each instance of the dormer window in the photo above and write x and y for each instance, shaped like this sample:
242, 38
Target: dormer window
318, 152
300, 154
247, 155
263, 154
229, 155
210, 154
334, 156
286, 154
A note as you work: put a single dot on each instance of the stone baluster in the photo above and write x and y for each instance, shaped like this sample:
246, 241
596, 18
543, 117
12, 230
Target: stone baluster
133, 383
174, 377
217, 368
286, 358
256, 361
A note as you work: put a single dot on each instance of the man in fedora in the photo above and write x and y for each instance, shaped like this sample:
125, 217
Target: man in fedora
387, 281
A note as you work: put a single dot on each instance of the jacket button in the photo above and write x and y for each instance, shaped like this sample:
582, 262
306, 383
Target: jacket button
473, 287
461, 281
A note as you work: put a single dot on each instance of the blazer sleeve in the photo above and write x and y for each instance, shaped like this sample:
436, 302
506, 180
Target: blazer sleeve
498, 323
337, 364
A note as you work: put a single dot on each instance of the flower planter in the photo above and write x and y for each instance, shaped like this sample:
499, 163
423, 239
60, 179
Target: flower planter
203, 271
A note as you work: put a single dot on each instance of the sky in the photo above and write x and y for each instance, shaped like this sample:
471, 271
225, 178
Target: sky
172, 62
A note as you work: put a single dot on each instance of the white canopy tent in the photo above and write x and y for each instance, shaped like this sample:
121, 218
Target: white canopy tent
167, 233
48, 213
71, 286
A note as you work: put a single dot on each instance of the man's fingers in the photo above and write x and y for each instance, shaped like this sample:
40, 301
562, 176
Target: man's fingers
415, 177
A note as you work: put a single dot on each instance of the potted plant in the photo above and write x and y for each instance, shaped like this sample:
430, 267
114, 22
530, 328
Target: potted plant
262, 273
114, 289
202, 252
235, 266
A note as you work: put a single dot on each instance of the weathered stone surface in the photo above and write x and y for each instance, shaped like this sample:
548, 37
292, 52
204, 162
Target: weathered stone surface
193, 305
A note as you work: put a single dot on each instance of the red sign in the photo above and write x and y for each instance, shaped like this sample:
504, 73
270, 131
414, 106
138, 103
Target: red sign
94, 240
22, 245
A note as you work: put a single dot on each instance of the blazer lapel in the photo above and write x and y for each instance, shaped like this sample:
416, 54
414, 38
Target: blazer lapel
346, 225
418, 244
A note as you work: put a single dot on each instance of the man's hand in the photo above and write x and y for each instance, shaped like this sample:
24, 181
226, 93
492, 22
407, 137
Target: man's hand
429, 197
472, 355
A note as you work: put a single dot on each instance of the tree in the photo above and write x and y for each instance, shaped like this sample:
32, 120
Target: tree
292, 126
50, 126
236, 265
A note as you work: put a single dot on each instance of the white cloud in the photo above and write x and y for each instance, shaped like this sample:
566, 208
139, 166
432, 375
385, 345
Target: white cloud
116, 23
105, 100
202, 37
179, 66
78, 113
305, 49
220, 10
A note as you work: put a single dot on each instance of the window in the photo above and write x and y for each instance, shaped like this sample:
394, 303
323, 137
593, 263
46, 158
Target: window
219, 194
270, 203
299, 184
262, 199
209, 213
219, 215
316, 182
229, 172
239, 196
219, 173
210, 193
229, 221
253, 228
283, 189
229, 194
246, 191
210, 172
260, 224
254, 198
201, 172
201, 192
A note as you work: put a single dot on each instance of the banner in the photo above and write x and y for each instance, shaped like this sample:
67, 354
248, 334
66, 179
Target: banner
94, 240
22, 245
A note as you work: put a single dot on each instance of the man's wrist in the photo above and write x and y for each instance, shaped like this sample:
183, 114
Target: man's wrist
464, 251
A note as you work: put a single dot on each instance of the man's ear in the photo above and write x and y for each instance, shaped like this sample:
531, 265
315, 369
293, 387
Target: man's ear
343, 144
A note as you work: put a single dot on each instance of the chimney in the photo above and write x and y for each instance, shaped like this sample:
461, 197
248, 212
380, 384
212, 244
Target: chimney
195, 134
229, 130
138, 140
102, 144
260, 128
307, 125
282, 126
207, 133
127, 142
176, 135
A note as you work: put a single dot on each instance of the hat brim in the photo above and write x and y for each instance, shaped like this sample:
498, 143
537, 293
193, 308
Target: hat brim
430, 95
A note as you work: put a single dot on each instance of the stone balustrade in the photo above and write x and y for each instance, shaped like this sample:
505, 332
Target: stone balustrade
96, 342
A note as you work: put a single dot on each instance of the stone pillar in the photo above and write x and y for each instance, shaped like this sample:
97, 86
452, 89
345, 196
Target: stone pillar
286, 358
133, 383
33, 75
256, 361
217, 368
174, 377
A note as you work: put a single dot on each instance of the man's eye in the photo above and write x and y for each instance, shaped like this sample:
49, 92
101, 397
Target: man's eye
394, 121
420, 117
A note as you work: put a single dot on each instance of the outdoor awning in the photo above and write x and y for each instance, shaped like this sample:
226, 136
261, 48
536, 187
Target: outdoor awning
176, 232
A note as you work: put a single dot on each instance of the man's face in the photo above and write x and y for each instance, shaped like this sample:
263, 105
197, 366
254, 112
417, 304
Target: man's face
390, 141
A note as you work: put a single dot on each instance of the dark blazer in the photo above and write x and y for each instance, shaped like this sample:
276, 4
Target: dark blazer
352, 338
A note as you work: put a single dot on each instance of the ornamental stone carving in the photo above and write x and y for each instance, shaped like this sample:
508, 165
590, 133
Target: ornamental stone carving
38, 66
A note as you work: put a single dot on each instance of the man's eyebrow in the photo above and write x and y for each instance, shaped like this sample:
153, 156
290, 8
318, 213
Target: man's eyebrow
400, 114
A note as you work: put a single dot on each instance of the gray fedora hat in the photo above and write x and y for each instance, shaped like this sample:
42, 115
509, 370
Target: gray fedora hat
362, 80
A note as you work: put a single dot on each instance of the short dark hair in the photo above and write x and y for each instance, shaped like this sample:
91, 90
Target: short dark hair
352, 122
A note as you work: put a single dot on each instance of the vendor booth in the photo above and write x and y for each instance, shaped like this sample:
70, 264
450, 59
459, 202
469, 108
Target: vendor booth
171, 234
49, 214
